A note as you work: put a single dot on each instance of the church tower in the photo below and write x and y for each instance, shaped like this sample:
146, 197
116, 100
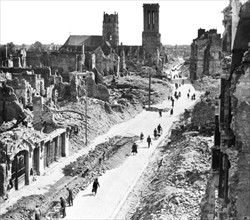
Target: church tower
110, 29
151, 38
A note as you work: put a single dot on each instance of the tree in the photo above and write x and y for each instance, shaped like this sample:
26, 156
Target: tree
37, 46
11, 47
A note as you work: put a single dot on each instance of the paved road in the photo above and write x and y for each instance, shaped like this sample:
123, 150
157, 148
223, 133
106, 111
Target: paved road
117, 183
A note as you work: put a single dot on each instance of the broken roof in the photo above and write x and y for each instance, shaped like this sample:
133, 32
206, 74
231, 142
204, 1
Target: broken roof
86, 40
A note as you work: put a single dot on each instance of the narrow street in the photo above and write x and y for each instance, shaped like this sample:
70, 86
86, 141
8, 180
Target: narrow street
116, 184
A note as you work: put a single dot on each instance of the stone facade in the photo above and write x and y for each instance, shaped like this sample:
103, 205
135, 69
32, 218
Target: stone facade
151, 38
26, 153
205, 54
110, 29
233, 125
16, 59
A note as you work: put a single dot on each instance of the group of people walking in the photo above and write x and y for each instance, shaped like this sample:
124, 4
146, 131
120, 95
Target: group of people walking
157, 132
63, 201
192, 97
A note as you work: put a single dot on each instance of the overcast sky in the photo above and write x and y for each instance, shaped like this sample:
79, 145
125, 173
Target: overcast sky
53, 21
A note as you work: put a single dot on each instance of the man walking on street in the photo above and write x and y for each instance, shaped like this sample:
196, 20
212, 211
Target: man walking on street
95, 186
149, 141
63, 207
134, 149
70, 197
37, 213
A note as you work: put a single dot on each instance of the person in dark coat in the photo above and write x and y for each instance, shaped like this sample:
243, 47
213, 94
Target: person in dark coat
134, 149
188, 95
95, 186
141, 136
155, 133
159, 129
149, 141
70, 197
173, 103
160, 112
37, 213
171, 111
63, 206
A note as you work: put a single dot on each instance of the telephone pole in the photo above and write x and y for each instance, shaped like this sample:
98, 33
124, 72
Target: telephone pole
86, 114
149, 87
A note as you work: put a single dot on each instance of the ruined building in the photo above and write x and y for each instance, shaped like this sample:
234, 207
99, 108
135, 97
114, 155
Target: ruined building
230, 187
205, 54
28, 145
15, 58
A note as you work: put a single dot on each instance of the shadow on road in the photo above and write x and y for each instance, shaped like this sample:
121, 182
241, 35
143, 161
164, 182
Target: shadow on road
89, 194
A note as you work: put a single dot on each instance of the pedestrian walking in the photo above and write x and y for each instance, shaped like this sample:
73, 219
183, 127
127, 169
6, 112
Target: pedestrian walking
159, 129
37, 213
95, 186
149, 141
183, 82
63, 206
179, 94
160, 112
155, 133
173, 103
141, 136
70, 197
188, 95
134, 149
171, 111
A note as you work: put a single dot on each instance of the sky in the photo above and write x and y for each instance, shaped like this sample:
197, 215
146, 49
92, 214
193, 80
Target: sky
53, 21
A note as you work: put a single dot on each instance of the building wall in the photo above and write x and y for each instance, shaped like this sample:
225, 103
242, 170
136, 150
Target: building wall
234, 120
151, 38
110, 29
205, 54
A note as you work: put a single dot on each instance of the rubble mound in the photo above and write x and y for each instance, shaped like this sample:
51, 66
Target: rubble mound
177, 186
203, 112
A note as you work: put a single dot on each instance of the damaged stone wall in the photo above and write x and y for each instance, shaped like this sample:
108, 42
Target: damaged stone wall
107, 64
205, 54
239, 155
61, 61
28, 74
234, 119
9, 106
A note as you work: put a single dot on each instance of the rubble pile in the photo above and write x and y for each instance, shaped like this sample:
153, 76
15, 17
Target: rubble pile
136, 88
203, 112
176, 183
102, 152
210, 85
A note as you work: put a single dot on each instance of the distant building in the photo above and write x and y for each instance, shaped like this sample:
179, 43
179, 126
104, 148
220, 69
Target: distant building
205, 54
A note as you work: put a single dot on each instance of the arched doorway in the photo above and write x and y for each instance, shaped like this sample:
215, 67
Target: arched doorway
19, 170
